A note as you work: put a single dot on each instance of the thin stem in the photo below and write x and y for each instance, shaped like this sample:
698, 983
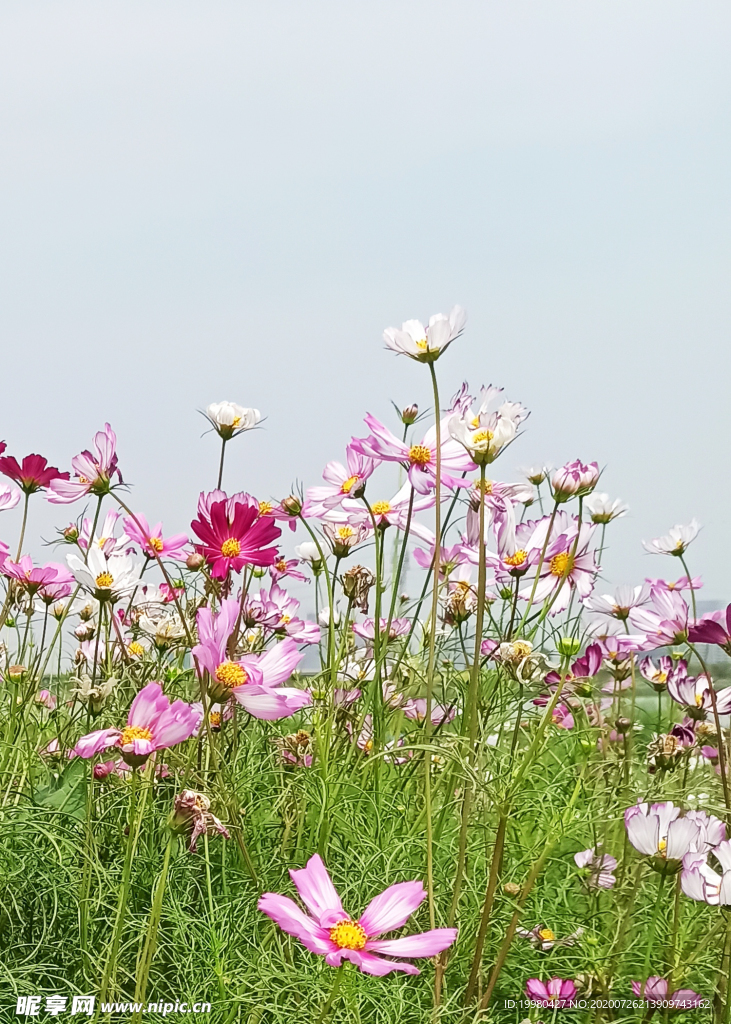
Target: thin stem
220, 465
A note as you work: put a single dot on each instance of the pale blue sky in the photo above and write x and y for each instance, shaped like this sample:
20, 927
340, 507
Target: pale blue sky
231, 200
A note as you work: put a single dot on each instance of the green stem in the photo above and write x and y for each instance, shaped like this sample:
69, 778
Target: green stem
334, 991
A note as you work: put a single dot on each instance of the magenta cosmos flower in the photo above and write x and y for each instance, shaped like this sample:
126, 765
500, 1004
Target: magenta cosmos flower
557, 992
254, 680
93, 471
235, 535
420, 460
328, 931
32, 474
713, 629
152, 542
153, 723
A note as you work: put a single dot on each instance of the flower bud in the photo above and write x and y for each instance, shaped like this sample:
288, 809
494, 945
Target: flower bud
511, 889
71, 534
568, 646
292, 505
195, 561
16, 673
409, 414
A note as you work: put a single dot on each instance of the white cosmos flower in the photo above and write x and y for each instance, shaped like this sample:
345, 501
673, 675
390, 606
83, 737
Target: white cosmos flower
108, 579
483, 441
9, 496
602, 510
426, 344
675, 541
308, 552
164, 630
230, 419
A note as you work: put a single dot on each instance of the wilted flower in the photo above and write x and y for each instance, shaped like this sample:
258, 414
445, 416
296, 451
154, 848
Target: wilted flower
676, 540
192, 813
356, 583
296, 748
329, 931
545, 939
425, 344
229, 419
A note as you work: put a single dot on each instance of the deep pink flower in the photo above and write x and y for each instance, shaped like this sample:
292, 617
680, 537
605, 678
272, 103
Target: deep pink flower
32, 474
418, 459
709, 630
328, 931
152, 724
32, 579
151, 540
233, 536
562, 717
94, 471
557, 992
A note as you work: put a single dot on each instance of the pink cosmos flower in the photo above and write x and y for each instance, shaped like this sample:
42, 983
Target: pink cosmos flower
700, 882
341, 481
655, 990
557, 992
152, 724
659, 674
695, 583
170, 593
621, 604
449, 557
576, 678
601, 868
567, 564
391, 512
32, 579
9, 497
440, 713
665, 622
694, 693
367, 629
253, 680
328, 931
713, 629
94, 471
32, 474
287, 567
47, 699
233, 536
151, 541
104, 538
418, 459
574, 480
192, 813
562, 717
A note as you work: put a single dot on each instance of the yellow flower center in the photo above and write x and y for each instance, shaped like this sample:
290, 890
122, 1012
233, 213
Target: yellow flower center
662, 677
348, 935
155, 543
662, 846
136, 649
475, 422
522, 649
236, 421
265, 508
422, 344
286, 619
231, 674
562, 564
281, 565
380, 508
347, 485
546, 934
134, 732
483, 485
104, 580
419, 455
345, 532
517, 559
482, 435
215, 719
698, 700
230, 548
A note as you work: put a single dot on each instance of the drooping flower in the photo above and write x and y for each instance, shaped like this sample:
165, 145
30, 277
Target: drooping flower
603, 510
419, 460
234, 535
32, 474
574, 480
558, 992
600, 868
151, 541
93, 471
713, 629
328, 931
47, 699
425, 344
229, 419
699, 881
655, 990
659, 674
675, 541
192, 813
153, 723
31, 578
107, 579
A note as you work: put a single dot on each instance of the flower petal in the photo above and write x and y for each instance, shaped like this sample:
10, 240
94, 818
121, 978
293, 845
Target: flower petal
392, 908
294, 921
318, 892
423, 944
